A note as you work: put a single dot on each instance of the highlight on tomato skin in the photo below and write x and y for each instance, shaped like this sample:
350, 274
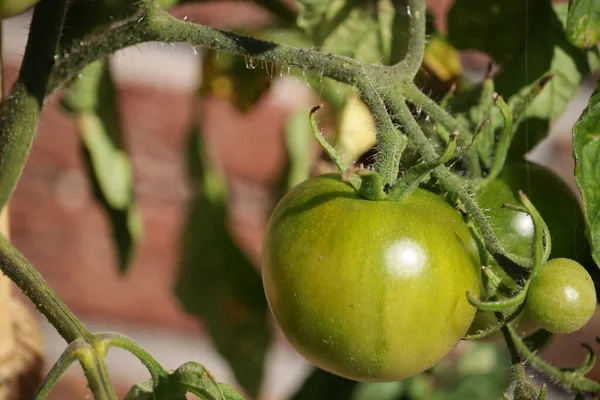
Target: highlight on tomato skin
369, 290
561, 297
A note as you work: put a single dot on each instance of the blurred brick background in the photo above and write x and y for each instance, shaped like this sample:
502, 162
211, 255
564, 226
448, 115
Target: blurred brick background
58, 227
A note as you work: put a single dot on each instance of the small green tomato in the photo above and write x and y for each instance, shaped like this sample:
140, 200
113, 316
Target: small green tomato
561, 297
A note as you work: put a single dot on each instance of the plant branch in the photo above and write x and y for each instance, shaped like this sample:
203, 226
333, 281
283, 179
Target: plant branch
19, 112
435, 111
411, 64
25, 276
60, 367
157, 372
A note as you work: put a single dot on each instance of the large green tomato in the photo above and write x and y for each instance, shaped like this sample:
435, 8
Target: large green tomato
10, 8
555, 202
561, 296
369, 290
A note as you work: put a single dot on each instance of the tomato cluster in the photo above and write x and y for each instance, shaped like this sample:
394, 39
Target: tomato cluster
376, 290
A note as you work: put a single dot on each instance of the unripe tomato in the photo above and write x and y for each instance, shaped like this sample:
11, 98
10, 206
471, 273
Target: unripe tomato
10, 8
555, 202
561, 297
369, 290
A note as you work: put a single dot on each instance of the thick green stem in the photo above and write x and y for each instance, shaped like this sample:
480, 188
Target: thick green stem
97, 375
20, 111
20, 271
411, 64
157, 372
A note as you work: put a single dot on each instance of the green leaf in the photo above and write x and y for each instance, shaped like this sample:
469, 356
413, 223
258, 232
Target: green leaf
141, 391
374, 33
196, 379
192, 378
583, 22
531, 43
299, 145
218, 283
548, 52
323, 385
496, 27
586, 150
92, 102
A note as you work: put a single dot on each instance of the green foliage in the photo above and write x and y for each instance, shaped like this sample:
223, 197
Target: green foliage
586, 150
545, 51
191, 378
216, 281
583, 22
92, 102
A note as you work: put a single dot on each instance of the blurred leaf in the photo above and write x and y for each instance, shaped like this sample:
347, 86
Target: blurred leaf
496, 27
218, 283
235, 80
371, 32
481, 373
442, 59
586, 150
538, 340
229, 393
299, 146
355, 133
378, 391
92, 101
323, 385
547, 52
583, 22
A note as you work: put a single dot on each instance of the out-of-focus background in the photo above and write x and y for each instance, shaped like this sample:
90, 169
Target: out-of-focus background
58, 226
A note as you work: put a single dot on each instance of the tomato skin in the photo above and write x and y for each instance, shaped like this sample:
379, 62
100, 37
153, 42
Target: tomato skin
10, 8
368, 290
561, 296
553, 199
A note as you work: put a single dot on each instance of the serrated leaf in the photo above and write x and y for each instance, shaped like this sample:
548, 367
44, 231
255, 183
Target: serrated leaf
528, 54
324, 385
583, 22
218, 283
548, 52
92, 102
586, 150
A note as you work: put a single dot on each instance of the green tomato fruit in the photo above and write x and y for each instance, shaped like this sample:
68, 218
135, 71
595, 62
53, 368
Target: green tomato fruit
553, 199
10, 8
561, 297
369, 290
555, 202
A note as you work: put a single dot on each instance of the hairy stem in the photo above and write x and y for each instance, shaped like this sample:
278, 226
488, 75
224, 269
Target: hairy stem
20, 271
19, 112
411, 64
